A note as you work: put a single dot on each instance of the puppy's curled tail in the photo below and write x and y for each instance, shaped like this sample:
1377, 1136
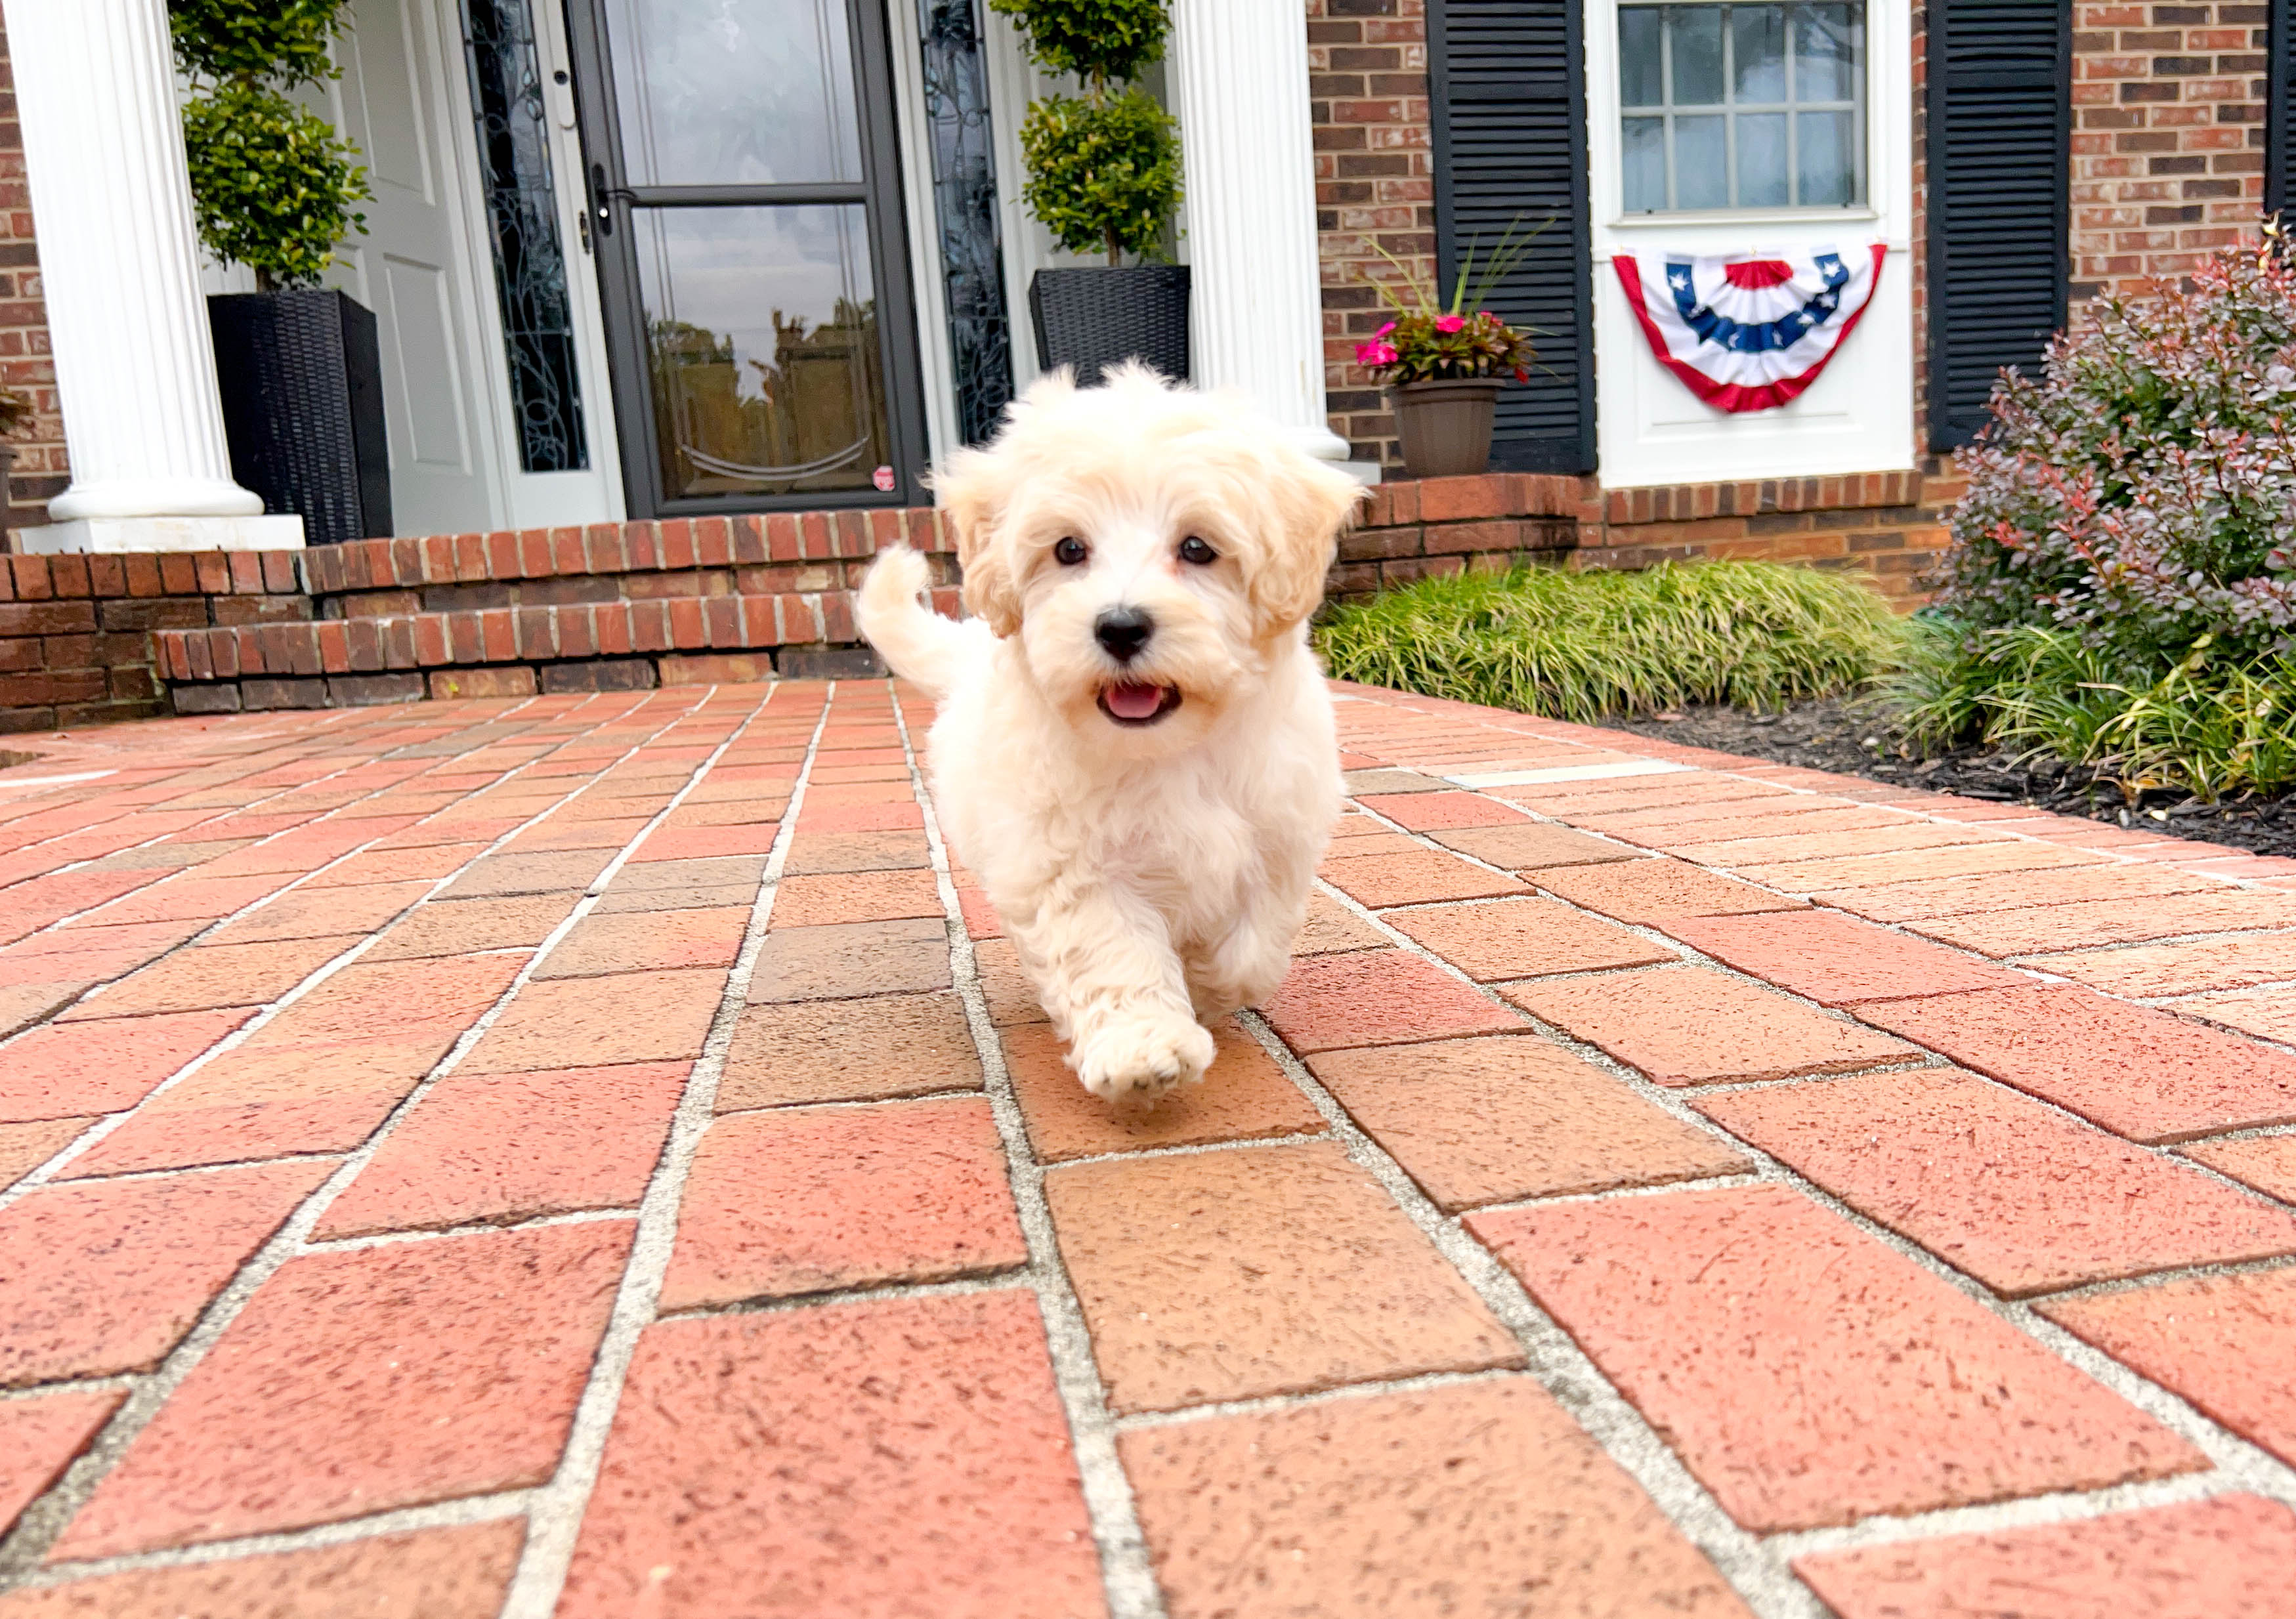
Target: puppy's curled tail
921, 645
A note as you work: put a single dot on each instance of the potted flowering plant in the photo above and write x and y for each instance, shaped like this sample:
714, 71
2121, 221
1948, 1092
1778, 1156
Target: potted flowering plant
1444, 363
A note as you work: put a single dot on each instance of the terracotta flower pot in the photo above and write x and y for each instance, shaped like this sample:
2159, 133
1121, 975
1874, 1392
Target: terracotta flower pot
1446, 427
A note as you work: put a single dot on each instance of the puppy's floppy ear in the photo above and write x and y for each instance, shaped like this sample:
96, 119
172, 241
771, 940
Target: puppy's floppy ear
973, 488
1306, 503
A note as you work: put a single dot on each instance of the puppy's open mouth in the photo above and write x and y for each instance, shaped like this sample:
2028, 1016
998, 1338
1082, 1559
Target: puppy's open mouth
1133, 704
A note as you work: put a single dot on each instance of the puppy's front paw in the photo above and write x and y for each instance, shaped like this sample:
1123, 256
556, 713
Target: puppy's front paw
1139, 1059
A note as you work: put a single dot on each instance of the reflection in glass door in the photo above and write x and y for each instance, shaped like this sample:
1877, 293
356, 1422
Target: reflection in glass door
744, 197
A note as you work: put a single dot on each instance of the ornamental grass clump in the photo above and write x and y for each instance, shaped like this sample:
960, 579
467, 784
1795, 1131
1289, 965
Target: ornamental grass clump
1582, 646
274, 187
2121, 590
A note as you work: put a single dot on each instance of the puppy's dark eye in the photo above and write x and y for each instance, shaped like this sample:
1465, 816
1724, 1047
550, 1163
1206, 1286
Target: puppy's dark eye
1194, 550
1068, 552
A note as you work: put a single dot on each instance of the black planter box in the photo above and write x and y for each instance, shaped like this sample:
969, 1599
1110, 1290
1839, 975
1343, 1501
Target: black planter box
1093, 319
301, 379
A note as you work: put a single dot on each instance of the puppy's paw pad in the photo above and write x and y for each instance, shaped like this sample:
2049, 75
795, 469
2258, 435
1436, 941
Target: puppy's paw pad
1139, 1061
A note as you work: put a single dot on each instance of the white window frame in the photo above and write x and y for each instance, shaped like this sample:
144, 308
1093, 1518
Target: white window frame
1730, 111
1858, 416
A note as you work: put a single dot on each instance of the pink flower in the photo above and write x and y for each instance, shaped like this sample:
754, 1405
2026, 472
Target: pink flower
1383, 330
1376, 353
1450, 322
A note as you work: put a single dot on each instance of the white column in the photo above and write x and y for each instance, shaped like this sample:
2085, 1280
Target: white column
1239, 69
111, 206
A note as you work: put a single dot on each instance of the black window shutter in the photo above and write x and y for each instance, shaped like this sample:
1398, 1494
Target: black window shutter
1510, 117
2000, 77
2280, 114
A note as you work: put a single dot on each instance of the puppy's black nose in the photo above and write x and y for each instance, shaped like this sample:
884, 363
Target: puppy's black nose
1123, 630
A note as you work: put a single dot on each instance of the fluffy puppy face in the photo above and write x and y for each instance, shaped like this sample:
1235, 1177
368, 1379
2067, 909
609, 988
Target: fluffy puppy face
1154, 550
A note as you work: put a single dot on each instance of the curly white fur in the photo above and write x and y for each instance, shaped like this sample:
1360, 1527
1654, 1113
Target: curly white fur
1150, 875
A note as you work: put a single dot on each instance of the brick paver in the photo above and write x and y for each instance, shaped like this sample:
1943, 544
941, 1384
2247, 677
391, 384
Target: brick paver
1690, 1025
814, 1199
1258, 1270
2018, 1195
1496, 1119
1480, 1499
2231, 1557
2225, 1342
708, 1262
846, 1459
360, 1381
1809, 1375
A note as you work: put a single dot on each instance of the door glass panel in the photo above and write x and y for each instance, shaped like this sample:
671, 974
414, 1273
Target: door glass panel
733, 92
537, 314
762, 349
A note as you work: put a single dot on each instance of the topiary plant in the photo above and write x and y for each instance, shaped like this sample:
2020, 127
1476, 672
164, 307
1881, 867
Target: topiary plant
1103, 168
272, 186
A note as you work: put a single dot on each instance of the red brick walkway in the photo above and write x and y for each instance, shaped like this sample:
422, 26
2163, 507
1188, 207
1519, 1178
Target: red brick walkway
594, 1157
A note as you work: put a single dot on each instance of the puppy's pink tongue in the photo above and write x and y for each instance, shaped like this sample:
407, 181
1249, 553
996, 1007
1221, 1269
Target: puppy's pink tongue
1134, 702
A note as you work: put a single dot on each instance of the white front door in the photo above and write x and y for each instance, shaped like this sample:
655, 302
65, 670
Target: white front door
414, 268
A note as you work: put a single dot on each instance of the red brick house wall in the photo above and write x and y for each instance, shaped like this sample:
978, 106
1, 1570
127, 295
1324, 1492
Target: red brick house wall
41, 470
1374, 189
2168, 158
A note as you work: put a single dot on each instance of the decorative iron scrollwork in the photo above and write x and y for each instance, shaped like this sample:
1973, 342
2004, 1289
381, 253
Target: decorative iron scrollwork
964, 201
513, 129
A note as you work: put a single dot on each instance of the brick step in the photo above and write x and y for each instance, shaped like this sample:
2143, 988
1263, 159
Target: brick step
506, 652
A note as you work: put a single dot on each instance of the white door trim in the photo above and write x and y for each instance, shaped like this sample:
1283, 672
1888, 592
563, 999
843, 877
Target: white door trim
535, 500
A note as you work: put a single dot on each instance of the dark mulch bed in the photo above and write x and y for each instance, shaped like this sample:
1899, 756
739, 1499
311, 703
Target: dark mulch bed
1830, 734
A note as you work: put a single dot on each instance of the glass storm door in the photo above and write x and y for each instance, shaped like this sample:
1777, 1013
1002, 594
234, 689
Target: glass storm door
745, 203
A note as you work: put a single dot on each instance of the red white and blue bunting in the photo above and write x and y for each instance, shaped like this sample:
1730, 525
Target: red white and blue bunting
1749, 331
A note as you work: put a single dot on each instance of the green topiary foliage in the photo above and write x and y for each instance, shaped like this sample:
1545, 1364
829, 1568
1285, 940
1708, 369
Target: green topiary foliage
283, 41
272, 186
272, 183
1103, 168
1104, 39
1102, 176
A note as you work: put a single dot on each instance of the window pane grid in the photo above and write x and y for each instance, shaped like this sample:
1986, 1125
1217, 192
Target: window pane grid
1702, 113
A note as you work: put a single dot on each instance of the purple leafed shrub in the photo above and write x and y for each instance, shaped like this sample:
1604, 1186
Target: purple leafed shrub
2142, 493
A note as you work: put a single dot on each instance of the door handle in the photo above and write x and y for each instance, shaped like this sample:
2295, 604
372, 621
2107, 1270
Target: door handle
602, 198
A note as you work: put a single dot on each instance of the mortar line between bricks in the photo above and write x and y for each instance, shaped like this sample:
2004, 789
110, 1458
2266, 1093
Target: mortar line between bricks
461, 1510
222, 815
1556, 1362
2232, 1459
44, 1173
554, 1515
485, 1228
999, 1281
1128, 1575
44, 1519
1259, 1405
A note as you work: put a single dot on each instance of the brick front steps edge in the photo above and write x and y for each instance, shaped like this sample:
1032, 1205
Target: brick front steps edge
84, 639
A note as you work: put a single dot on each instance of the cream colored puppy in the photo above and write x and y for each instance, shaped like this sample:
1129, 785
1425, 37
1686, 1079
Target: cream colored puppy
1135, 751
